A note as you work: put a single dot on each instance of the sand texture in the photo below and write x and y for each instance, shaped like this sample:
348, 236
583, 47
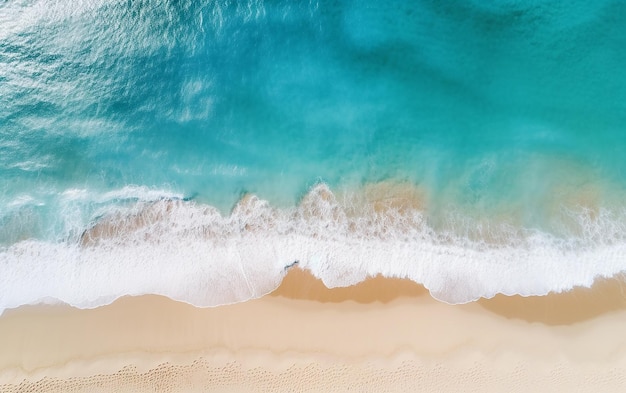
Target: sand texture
380, 335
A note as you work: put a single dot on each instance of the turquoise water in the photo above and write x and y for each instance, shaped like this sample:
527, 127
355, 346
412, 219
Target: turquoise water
504, 120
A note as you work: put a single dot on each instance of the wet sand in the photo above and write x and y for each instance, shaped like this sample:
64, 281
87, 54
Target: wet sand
380, 335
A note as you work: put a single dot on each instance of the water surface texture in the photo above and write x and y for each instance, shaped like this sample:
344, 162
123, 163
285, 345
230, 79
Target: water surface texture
196, 148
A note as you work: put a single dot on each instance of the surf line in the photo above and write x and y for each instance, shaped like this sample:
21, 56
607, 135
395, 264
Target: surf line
289, 266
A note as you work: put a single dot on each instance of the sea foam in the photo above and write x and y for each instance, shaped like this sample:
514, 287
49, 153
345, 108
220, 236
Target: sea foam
192, 252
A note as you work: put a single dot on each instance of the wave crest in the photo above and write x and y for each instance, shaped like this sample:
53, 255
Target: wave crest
193, 253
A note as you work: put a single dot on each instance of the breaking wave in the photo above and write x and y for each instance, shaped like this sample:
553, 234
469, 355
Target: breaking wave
192, 252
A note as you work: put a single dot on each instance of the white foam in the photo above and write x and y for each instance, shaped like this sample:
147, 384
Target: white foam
140, 193
192, 253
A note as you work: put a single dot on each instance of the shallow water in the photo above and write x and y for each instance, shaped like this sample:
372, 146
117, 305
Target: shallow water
474, 147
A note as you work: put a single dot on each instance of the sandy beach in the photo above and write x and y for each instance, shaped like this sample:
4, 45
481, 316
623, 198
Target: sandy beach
380, 335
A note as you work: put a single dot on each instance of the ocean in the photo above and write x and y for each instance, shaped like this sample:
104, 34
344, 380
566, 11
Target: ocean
198, 149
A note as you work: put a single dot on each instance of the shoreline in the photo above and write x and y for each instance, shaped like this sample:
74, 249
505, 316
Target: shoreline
390, 329
191, 252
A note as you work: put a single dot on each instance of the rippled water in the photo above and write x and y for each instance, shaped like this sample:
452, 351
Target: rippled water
475, 147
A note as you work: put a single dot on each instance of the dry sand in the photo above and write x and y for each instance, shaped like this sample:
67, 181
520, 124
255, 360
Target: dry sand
381, 335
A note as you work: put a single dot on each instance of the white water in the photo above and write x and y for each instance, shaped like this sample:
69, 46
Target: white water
192, 253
